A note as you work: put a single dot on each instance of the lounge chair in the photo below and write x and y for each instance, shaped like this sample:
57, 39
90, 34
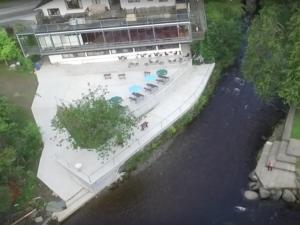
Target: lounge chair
122, 76
107, 76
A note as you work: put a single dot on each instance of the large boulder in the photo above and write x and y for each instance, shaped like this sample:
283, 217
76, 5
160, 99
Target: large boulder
264, 193
251, 195
254, 186
252, 176
288, 196
276, 194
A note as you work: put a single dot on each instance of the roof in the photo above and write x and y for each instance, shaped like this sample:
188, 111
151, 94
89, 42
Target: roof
43, 2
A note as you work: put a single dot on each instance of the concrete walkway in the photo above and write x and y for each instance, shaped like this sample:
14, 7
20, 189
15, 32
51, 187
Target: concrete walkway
64, 83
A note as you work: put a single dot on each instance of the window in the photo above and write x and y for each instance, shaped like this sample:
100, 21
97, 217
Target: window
95, 53
131, 1
163, 0
54, 12
73, 4
65, 56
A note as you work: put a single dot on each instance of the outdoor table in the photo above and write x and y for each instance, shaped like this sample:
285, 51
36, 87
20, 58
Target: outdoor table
152, 85
138, 95
163, 77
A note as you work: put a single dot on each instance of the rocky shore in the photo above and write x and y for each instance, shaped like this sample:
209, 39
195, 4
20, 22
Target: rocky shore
257, 191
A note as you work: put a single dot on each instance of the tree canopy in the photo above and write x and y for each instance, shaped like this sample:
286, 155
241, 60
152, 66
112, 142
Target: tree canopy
272, 56
94, 122
8, 47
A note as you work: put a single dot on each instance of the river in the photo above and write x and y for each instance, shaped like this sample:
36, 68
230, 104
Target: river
201, 177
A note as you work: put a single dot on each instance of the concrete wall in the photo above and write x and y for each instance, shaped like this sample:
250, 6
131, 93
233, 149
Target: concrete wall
63, 8
125, 4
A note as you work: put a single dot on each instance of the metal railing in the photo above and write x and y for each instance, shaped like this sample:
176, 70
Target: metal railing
106, 23
138, 142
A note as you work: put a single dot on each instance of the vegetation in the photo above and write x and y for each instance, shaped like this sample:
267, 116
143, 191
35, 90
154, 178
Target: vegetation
20, 145
272, 59
9, 52
220, 44
95, 123
296, 125
222, 40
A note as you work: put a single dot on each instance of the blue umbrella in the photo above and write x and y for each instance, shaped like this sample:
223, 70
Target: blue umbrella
149, 78
162, 72
135, 88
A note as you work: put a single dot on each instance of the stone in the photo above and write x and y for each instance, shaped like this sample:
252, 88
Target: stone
264, 193
252, 176
12, 66
276, 194
55, 206
254, 186
38, 219
18, 63
251, 195
288, 196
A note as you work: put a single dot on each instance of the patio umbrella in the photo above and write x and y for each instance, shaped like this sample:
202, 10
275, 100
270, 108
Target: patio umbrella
149, 78
135, 88
162, 72
115, 100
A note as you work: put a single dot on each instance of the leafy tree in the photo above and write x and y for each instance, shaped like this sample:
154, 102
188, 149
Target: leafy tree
8, 47
265, 58
94, 122
290, 87
223, 36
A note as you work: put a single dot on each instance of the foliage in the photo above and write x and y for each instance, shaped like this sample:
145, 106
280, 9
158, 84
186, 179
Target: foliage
222, 39
265, 56
290, 87
20, 145
272, 57
95, 123
296, 125
8, 47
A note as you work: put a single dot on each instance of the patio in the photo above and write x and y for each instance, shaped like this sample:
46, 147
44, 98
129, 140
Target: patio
158, 108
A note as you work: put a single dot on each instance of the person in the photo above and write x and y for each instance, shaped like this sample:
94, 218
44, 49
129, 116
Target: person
270, 165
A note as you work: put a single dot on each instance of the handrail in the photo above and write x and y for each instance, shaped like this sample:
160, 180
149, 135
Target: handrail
162, 125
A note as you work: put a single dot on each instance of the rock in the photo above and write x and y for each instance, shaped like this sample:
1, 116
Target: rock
55, 206
264, 193
18, 63
294, 192
288, 196
38, 219
276, 194
250, 195
254, 186
252, 176
12, 66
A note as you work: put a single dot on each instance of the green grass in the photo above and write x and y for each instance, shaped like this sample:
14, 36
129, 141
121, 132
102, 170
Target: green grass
18, 87
296, 125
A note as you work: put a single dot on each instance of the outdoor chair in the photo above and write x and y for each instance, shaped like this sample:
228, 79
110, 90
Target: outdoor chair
107, 76
122, 76
162, 81
133, 99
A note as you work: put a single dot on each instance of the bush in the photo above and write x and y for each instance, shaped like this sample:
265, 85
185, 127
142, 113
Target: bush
6, 199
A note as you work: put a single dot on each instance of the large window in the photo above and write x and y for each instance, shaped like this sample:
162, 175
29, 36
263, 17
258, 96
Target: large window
54, 12
73, 4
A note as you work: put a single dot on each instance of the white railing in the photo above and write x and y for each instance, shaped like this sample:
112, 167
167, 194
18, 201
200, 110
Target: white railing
139, 141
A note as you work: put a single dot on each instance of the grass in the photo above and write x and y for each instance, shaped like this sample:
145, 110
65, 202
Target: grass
18, 87
296, 125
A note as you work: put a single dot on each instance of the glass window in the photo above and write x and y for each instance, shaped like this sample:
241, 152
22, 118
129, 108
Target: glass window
73, 4
53, 12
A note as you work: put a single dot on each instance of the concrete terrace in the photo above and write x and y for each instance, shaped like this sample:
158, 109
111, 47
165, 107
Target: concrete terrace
65, 83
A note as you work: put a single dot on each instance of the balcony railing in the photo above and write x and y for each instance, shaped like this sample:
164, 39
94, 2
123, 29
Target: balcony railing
115, 45
106, 23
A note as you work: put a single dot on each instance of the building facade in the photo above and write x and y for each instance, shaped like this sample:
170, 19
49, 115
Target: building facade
76, 31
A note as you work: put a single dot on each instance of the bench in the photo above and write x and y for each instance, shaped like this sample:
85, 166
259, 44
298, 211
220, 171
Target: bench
107, 76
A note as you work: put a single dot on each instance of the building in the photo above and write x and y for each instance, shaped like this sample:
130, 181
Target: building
76, 31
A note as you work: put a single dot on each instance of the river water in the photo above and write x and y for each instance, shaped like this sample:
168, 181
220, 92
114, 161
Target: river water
201, 177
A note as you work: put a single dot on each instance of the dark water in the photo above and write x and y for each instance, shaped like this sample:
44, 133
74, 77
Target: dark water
202, 175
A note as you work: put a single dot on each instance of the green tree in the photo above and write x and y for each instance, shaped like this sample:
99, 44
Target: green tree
290, 87
94, 122
8, 47
6, 199
265, 58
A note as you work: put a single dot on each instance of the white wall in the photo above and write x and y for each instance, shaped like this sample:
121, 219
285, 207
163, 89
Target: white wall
63, 8
145, 3
58, 59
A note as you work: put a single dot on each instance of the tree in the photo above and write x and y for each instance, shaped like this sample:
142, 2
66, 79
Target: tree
8, 47
94, 122
265, 59
290, 87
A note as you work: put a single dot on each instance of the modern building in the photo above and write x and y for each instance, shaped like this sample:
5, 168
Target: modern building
76, 31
